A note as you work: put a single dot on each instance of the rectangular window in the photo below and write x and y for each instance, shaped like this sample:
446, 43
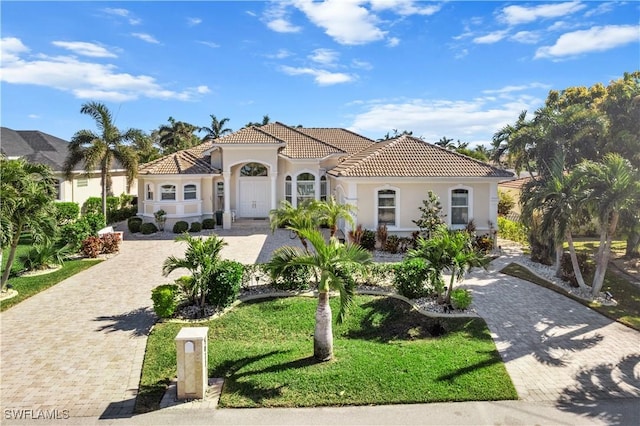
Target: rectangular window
387, 207
149, 192
82, 182
459, 207
190, 192
306, 191
167, 192
287, 189
323, 188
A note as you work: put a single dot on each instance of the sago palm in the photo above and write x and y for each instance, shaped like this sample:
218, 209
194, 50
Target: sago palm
332, 261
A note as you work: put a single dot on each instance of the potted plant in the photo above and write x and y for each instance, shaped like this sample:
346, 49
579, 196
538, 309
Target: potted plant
160, 217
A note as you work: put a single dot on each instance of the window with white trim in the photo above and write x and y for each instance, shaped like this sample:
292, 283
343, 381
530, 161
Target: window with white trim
305, 188
287, 189
168, 192
149, 191
189, 192
57, 187
387, 207
459, 207
324, 187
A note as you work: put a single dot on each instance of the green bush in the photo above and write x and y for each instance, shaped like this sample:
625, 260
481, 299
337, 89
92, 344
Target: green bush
95, 220
411, 278
165, 300
66, 212
461, 298
148, 228
74, 233
94, 205
195, 227
224, 285
180, 227
368, 240
45, 255
121, 214
134, 224
209, 223
505, 203
510, 230
295, 277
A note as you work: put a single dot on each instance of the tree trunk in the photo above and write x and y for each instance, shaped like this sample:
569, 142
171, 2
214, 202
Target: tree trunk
447, 298
559, 252
323, 336
633, 245
104, 195
574, 263
601, 268
12, 254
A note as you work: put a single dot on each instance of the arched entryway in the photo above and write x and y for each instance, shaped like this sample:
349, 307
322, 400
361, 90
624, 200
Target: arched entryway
254, 191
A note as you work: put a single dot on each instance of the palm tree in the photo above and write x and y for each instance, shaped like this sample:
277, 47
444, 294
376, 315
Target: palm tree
446, 143
607, 188
294, 219
98, 151
176, 136
28, 198
332, 260
451, 251
265, 120
330, 212
216, 129
202, 257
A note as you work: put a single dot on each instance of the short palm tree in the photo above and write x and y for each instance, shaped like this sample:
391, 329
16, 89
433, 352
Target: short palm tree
330, 212
332, 261
202, 257
98, 151
451, 251
294, 219
27, 204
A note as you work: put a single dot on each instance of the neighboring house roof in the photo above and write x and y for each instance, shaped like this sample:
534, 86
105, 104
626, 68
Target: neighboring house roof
407, 156
35, 147
515, 184
186, 162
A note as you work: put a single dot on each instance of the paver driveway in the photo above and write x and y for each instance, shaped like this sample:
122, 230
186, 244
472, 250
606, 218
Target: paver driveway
554, 348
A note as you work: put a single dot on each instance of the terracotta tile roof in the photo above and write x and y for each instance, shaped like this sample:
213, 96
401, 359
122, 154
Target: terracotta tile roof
407, 156
186, 162
300, 145
342, 139
516, 183
248, 135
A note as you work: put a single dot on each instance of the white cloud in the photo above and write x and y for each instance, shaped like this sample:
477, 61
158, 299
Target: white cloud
469, 120
192, 22
321, 77
277, 19
405, 7
347, 22
281, 25
85, 48
491, 38
461, 54
33, 116
325, 57
514, 15
595, 39
393, 41
85, 80
601, 9
280, 54
146, 37
356, 63
519, 88
124, 13
526, 37
210, 44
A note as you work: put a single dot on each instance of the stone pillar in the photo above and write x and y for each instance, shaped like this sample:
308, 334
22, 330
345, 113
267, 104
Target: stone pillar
193, 377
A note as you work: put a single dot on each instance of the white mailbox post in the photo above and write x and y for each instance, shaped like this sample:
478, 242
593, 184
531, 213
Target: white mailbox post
193, 375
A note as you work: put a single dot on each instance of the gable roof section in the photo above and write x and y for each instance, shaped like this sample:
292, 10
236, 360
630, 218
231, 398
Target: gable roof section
298, 144
407, 156
186, 162
35, 147
516, 183
249, 136
342, 139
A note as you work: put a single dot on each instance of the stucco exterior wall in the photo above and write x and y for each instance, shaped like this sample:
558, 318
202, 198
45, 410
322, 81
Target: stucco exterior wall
71, 191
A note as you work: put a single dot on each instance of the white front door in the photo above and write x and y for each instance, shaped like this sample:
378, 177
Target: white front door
254, 196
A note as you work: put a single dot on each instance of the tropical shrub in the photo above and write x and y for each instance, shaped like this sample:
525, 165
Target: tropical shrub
165, 300
148, 228
355, 235
92, 246
295, 277
66, 212
505, 203
411, 278
461, 298
382, 234
121, 214
160, 217
392, 244
110, 243
180, 227
510, 230
224, 285
134, 224
95, 220
368, 240
209, 223
431, 215
483, 243
44, 256
195, 227
94, 205
74, 233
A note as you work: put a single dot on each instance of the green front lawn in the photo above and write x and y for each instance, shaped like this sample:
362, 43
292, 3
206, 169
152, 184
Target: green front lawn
384, 354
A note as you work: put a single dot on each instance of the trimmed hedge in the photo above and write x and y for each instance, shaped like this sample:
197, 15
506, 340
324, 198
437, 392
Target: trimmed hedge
165, 300
195, 227
148, 228
180, 227
134, 224
209, 223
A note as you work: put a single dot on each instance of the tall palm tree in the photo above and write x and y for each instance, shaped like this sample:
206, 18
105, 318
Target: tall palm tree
446, 143
332, 260
330, 212
607, 187
265, 120
176, 136
28, 198
202, 257
100, 150
294, 219
216, 129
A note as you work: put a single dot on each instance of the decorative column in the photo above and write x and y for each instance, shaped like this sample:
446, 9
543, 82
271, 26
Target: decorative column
226, 217
274, 181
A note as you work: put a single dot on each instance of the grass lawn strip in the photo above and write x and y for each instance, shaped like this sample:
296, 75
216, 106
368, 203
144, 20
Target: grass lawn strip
626, 312
384, 354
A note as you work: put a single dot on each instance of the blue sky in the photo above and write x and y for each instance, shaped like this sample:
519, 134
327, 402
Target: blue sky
456, 69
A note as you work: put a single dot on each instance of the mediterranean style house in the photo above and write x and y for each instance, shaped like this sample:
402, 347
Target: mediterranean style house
39, 147
247, 173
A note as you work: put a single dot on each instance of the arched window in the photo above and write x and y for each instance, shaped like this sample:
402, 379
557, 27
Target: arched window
459, 207
305, 188
287, 189
189, 192
387, 207
254, 169
324, 188
168, 192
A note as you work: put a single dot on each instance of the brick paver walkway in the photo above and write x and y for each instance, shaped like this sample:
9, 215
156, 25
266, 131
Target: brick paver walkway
556, 349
